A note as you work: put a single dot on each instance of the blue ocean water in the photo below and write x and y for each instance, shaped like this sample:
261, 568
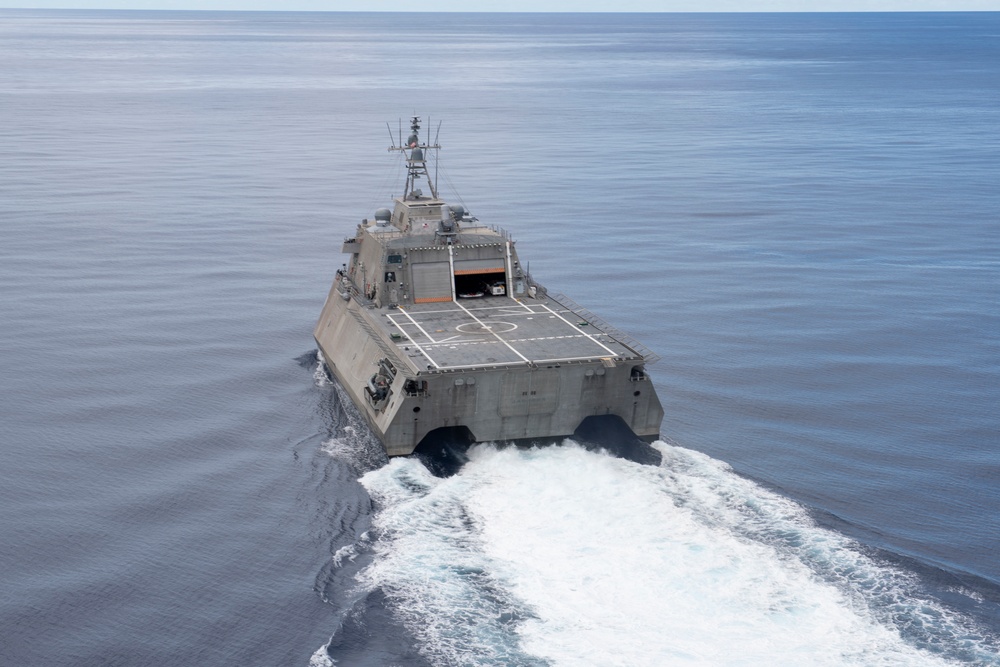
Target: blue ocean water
799, 213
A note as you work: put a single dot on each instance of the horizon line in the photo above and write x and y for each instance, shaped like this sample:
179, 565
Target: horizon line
502, 11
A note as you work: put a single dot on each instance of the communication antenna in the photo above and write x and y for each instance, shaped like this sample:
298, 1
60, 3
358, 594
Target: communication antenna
416, 153
437, 159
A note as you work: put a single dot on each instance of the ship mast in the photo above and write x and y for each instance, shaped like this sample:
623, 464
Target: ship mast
416, 161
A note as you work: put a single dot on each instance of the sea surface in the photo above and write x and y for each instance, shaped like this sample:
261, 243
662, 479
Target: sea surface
799, 213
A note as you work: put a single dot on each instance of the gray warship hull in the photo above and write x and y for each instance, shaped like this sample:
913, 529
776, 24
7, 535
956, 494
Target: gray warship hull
434, 327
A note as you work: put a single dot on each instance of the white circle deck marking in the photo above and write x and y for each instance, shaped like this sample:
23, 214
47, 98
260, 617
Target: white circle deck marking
492, 328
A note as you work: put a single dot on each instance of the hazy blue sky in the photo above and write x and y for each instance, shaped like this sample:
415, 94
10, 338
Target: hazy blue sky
524, 5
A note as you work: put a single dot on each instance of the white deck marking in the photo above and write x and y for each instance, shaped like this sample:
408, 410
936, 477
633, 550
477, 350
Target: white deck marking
515, 304
415, 323
451, 342
512, 348
504, 364
451, 339
496, 327
448, 319
596, 342
415, 343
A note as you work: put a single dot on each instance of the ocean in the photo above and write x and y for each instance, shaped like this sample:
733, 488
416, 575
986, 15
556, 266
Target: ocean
799, 213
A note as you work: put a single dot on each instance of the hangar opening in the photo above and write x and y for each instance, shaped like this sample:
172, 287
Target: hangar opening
485, 283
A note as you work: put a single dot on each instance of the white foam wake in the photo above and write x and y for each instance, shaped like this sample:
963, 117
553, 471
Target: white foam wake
320, 376
567, 557
353, 443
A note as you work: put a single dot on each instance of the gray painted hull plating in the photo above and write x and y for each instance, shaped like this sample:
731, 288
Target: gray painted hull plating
494, 401
433, 323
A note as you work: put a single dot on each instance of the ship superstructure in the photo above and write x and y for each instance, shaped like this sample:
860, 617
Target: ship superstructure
433, 325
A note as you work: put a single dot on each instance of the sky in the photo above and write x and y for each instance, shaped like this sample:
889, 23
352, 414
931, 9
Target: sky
521, 5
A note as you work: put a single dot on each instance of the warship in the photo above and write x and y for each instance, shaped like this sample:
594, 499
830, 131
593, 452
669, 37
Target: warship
435, 328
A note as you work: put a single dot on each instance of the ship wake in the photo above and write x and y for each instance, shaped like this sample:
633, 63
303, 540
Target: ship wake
568, 556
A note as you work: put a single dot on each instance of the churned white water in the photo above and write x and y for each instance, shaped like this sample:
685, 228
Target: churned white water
569, 557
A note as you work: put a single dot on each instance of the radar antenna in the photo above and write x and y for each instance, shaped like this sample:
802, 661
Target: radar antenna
416, 161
